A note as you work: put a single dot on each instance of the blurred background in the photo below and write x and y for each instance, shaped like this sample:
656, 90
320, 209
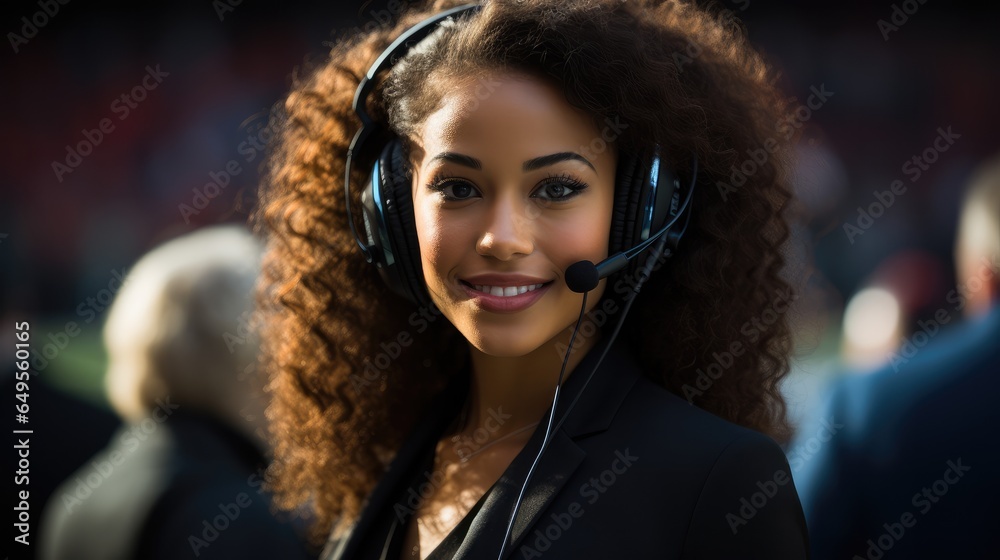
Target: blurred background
70, 224
128, 124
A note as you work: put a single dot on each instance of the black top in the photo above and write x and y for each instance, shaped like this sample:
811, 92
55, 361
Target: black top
633, 472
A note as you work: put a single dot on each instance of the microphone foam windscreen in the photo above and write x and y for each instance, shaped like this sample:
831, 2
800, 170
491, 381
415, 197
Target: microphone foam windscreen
582, 276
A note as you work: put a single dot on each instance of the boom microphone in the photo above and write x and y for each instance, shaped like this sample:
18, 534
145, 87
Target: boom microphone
583, 276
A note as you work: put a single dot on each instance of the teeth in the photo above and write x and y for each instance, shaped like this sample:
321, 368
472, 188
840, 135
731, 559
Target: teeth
507, 291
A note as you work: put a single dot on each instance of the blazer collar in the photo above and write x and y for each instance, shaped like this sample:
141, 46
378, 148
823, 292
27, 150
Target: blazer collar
593, 413
600, 398
596, 403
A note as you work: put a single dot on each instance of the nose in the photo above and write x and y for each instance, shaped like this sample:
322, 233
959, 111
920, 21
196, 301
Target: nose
508, 230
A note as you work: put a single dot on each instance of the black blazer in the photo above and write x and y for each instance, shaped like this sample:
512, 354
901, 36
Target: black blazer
634, 472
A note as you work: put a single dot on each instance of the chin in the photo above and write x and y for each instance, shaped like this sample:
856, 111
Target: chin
505, 343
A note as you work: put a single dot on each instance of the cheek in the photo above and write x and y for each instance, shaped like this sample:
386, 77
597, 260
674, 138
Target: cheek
428, 226
585, 237
437, 237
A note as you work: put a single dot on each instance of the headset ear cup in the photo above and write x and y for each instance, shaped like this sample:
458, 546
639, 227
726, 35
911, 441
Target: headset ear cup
626, 218
408, 279
620, 210
633, 205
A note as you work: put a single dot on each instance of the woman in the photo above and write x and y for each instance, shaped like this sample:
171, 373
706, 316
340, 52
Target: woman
412, 400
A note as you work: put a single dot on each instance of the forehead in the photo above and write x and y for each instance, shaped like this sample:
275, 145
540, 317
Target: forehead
505, 114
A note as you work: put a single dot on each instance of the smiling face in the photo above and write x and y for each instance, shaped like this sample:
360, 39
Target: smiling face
507, 194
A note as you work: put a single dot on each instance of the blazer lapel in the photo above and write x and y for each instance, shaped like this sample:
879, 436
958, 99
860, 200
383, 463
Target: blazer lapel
601, 397
486, 534
593, 412
425, 435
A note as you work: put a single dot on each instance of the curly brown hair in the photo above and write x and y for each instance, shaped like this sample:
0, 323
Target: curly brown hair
679, 75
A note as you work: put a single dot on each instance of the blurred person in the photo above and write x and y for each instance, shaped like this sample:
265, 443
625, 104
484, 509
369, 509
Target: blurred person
903, 462
183, 478
83, 427
902, 290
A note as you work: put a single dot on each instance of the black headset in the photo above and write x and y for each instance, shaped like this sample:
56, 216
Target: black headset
646, 195
647, 205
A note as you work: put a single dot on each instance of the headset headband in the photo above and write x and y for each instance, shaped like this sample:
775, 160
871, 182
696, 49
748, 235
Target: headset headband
389, 56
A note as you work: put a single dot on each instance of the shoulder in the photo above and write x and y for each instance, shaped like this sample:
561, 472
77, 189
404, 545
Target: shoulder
109, 497
218, 517
712, 451
935, 357
745, 502
636, 408
666, 417
215, 505
949, 370
729, 486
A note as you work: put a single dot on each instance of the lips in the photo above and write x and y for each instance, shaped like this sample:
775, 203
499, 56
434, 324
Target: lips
504, 293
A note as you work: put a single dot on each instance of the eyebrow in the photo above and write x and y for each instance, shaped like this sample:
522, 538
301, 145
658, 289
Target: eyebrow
530, 165
543, 161
459, 159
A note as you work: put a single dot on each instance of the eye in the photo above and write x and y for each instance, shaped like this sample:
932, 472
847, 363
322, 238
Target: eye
453, 190
559, 188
